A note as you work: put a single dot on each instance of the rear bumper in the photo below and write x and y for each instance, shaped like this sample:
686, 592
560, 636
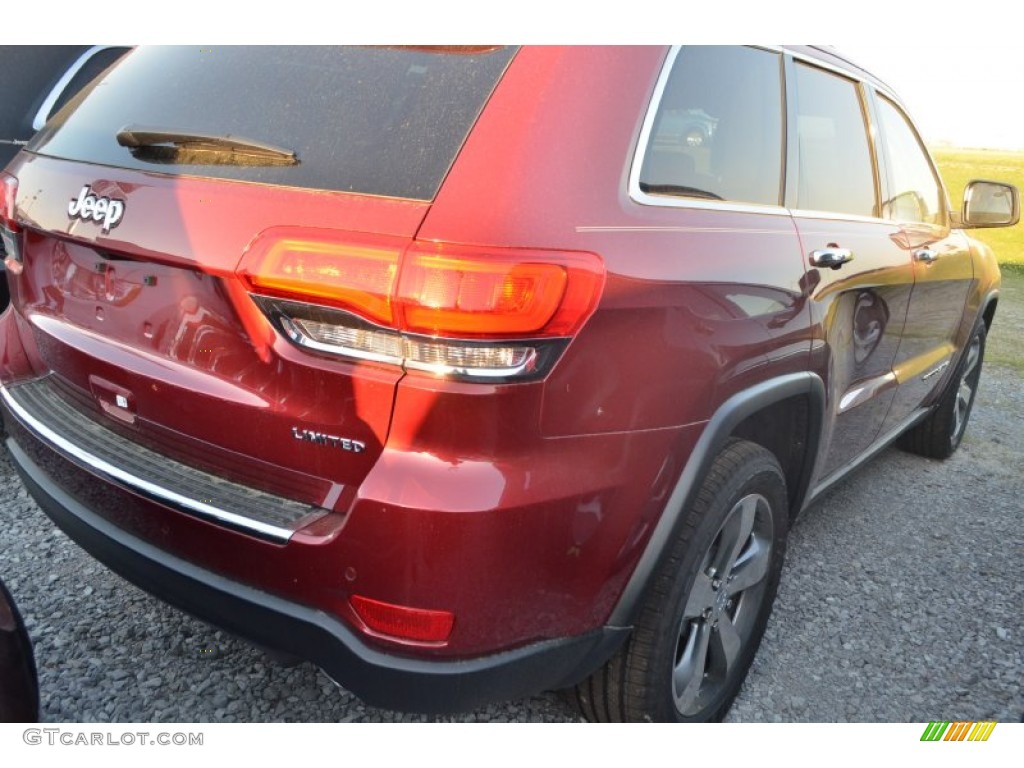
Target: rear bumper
380, 679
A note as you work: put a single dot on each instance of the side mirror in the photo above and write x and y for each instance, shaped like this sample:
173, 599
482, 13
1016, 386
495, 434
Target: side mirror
990, 204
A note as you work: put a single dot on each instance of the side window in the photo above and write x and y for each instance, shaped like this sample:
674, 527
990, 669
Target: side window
717, 134
914, 194
835, 170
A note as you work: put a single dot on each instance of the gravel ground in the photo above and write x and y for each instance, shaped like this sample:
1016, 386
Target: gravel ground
901, 601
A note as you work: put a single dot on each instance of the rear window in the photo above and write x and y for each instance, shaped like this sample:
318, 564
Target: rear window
378, 121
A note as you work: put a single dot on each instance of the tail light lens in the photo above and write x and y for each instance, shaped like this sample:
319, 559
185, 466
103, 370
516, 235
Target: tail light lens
469, 312
8, 191
449, 291
10, 232
356, 272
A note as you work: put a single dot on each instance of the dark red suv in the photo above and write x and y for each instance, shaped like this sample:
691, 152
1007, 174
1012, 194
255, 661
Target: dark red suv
469, 372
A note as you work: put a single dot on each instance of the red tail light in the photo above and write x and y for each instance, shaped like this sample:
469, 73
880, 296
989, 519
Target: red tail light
429, 288
447, 290
10, 248
404, 623
8, 191
466, 311
356, 272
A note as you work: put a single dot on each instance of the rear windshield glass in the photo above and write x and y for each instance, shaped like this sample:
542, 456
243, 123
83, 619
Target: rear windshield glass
379, 121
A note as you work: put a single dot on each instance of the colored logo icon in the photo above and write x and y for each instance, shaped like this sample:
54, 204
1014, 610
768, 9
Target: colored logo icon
959, 731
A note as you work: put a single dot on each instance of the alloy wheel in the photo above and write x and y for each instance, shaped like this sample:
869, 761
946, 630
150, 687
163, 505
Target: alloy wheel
722, 606
965, 392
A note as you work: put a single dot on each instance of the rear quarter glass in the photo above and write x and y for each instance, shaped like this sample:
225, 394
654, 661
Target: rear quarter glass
378, 121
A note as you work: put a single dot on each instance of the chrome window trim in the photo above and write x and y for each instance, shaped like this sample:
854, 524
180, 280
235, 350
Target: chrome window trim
134, 483
837, 216
51, 98
635, 193
667, 201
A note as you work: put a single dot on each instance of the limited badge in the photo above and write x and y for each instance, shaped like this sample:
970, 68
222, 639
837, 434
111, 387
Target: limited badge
322, 438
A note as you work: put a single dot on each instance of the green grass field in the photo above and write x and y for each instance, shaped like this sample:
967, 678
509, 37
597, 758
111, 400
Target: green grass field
1004, 345
958, 166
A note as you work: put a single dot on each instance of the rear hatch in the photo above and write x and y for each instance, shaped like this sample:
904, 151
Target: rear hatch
142, 203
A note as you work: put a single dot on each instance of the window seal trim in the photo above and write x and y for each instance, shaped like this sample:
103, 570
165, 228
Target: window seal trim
813, 213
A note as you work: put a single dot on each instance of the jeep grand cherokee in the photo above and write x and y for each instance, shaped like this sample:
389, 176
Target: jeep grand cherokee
466, 373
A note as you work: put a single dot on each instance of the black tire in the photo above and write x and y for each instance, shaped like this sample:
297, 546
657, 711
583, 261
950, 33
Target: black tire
939, 435
675, 666
19, 683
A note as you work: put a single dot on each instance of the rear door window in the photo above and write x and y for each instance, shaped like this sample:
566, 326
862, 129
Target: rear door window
835, 172
379, 121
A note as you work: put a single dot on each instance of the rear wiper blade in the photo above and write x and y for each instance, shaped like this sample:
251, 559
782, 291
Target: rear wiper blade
193, 147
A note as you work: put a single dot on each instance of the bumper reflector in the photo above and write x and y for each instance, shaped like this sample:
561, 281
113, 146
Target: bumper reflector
404, 623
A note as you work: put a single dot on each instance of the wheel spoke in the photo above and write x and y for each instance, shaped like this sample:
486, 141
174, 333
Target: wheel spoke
973, 356
702, 597
688, 674
963, 402
735, 534
965, 392
751, 568
725, 645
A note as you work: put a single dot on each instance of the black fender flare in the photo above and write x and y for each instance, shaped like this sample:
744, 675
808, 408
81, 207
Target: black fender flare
721, 425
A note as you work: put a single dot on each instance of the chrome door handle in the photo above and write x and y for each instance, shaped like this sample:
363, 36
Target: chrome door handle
831, 257
927, 255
